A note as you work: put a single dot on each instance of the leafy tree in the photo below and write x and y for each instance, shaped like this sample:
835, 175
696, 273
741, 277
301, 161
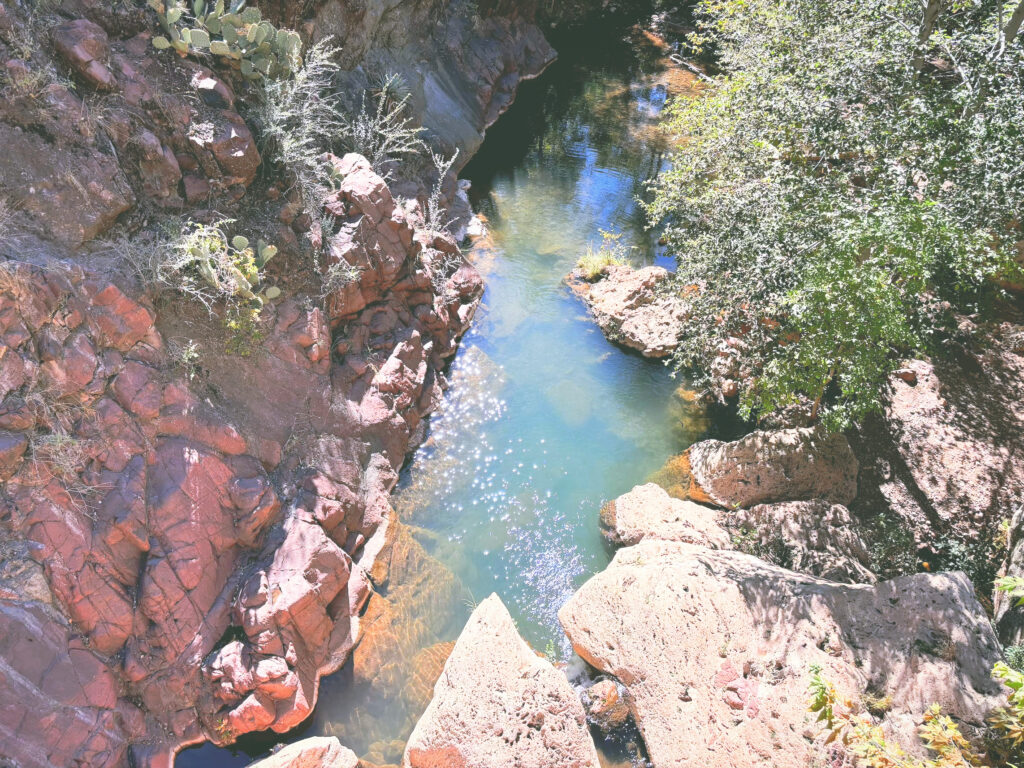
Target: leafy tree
854, 174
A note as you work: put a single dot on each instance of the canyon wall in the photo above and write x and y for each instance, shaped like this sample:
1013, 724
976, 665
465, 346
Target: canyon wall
189, 535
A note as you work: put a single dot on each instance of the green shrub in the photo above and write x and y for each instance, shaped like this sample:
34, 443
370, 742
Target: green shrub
866, 743
838, 185
1014, 656
202, 262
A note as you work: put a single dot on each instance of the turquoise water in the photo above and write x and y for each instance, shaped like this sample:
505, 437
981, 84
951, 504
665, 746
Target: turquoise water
545, 419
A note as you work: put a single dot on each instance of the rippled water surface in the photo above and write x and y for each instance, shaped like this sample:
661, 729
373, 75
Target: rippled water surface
545, 419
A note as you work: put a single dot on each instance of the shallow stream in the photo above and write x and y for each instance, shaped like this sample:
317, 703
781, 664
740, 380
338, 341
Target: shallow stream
545, 419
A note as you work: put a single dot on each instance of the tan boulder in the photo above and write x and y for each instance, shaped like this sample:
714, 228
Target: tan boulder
630, 307
813, 537
765, 467
314, 752
499, 704
648, 511
715, 649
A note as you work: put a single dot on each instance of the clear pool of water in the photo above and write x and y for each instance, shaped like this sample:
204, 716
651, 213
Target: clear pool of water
545, 419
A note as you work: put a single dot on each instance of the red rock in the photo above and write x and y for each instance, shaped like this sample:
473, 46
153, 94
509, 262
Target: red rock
12, 449
231, 146
84, 46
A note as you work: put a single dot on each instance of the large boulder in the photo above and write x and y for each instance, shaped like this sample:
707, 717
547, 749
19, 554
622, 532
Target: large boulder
946, 459
814, 537
314, 752
716, 647
648, 511
764, 467
634, 307
498, 703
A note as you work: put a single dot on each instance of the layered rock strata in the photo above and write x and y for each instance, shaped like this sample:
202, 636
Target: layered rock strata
211, 559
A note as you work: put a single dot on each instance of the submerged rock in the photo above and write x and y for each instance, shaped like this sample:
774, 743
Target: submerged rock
715, 648
764, 467
634, 307
314, 752
498, 704
606, 705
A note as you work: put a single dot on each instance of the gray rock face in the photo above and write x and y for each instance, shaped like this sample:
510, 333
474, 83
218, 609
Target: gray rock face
816, 537
765, 467
629, 307
499, 704
715, 648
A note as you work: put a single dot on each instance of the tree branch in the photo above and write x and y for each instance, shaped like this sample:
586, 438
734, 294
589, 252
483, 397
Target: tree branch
1013, 25
932, 9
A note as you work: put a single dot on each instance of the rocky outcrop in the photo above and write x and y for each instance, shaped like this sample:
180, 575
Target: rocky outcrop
209, 555
460, 62
648, 511
715, 649
812, 537
314, 752
634, 307
815, 537
498, 703
765, 467
946, 459
145, 126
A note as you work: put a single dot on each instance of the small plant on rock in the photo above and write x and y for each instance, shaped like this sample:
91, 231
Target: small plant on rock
234, 32
382, 133
205, 264
866, 743
611, 252
296, 118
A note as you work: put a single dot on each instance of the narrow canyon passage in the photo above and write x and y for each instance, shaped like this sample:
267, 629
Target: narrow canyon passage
545, 419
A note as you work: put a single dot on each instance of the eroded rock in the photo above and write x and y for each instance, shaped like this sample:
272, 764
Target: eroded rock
498, 703
814, 537
635, 307
314, 752
765, 467
715, 648
648, 511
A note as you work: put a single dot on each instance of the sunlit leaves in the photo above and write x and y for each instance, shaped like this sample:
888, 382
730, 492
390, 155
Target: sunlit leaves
833, 200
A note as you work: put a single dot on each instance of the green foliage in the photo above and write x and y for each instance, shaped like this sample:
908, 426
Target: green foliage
1014, 656
980, 558
838, 185
296, 120
771, 548
204, 263
865, 742
381, 131
892, 546
1008, 722
1012, 586
612, 251
235, 33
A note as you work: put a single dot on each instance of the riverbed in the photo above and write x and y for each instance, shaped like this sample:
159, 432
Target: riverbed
545, 419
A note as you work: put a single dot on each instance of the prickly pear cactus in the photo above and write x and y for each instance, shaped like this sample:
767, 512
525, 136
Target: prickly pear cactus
233, 32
